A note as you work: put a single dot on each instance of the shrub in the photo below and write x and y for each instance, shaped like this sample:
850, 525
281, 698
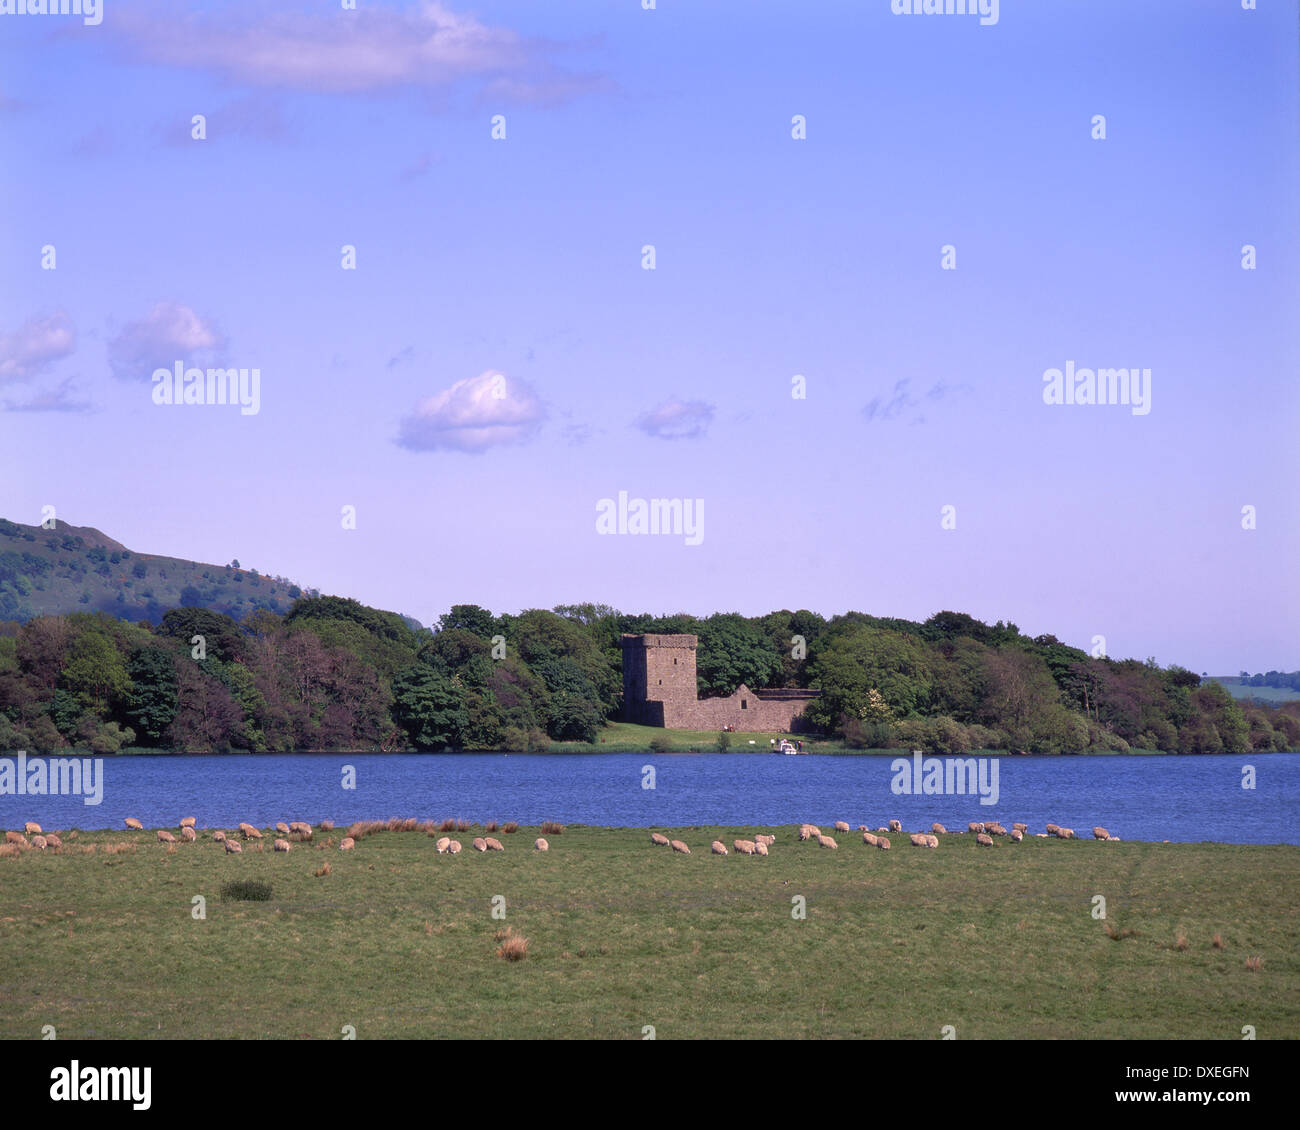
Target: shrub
511, 826
246, 890
551, 828
514, 947
660, 745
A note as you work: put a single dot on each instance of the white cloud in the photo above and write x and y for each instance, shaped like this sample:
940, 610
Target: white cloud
170, 332
58, 399
342, 52
35, 345
474, 414
677, 419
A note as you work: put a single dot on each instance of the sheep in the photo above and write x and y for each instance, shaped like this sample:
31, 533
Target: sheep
984, 839
995, 829
454, 847
805, 833
16, 838
863, 828
658, 839
541, 845
282, 845
919, 840
1020, 827
165, 837
827, 842
1016, 835
841, 826
133, 823
895, 826
188, 834
932, 841
442, 845
763, 838
32, 828
282, 828
745, 847
479, 844
976, 827
347, 844
300, 826
939, 828
718, 847
53, 840
39, 843
493, 844
1065, 833
882, 843
249, 832
219, 835
1052, 829
679, 846
760, 848
870, 839
234, 847
1100, 833
188, 821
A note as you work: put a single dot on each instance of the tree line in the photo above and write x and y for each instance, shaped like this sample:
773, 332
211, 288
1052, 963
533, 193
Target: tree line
334, 674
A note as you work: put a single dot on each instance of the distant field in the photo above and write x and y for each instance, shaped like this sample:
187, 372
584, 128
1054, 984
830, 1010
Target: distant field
1260, 694
399, 941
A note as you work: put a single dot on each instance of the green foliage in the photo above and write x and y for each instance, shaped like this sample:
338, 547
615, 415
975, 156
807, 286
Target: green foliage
245, 890
429, 708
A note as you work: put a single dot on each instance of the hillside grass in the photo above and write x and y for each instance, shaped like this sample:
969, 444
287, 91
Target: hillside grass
399, 941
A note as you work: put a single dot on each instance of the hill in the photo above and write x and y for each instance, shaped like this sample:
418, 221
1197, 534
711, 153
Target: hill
53, 572
1236, 686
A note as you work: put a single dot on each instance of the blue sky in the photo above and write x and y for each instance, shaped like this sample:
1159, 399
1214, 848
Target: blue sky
519, 261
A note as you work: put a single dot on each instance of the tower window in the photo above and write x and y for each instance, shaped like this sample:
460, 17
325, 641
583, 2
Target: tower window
744, 704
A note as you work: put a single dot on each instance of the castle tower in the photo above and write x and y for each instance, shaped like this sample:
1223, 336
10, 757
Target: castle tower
658, 678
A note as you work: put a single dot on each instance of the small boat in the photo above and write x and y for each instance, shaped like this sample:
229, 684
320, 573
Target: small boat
786, 747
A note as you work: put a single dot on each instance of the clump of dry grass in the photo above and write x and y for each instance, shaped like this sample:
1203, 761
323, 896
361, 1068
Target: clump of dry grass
490, 826
1217, 941
117, 848
428, 929
327, 825
323, 869
1253, 963
513, 947
410, 824
510, 826
463, 825
551, 828
10, 851
447, 825
427, 828
1116, 935
1180, 941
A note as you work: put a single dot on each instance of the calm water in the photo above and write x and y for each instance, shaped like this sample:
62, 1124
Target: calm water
1146, 798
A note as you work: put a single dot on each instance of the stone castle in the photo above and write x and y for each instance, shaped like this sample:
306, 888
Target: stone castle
659, 689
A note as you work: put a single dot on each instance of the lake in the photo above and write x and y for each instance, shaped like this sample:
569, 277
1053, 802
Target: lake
1135, 797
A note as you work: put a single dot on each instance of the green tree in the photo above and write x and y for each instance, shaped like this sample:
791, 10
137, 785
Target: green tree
429, 708
94, 671
151, 705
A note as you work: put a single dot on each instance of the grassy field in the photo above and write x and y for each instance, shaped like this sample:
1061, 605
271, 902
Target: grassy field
399, 941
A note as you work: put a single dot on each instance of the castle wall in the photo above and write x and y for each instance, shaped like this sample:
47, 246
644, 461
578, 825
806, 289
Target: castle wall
660, 689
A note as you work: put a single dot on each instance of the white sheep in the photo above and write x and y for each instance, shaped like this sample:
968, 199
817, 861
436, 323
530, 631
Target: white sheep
541, 845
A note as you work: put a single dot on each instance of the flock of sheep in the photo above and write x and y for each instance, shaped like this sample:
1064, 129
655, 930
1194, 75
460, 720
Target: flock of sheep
289, 833
299, 831
983, 831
